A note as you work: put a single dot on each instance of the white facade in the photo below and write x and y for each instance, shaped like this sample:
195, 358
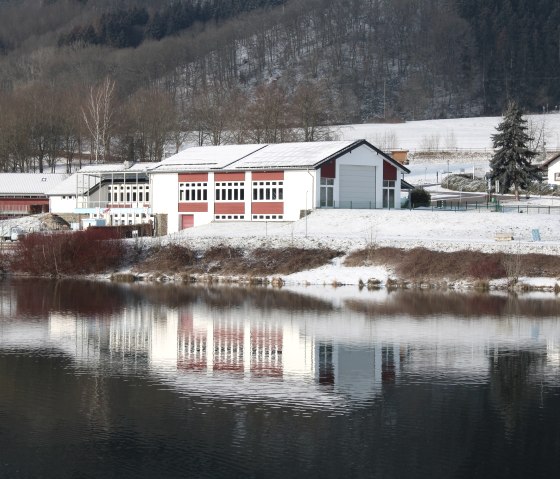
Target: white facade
554, 172
62, 204
272, 182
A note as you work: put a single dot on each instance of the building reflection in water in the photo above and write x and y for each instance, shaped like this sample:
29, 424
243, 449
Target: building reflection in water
303, 355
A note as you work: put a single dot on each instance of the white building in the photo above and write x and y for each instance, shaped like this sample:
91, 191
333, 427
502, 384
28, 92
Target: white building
551, 169
118, 193
271, 182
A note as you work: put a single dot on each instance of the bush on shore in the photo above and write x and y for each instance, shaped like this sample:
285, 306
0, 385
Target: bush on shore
420, 263
66, 253
226, 260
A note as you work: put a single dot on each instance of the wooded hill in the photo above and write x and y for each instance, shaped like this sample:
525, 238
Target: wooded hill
282, 62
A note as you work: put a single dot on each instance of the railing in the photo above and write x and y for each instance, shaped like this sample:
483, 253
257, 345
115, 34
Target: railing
448, 205
351, 205
85, 204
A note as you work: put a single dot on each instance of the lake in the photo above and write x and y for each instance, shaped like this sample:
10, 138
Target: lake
149, 380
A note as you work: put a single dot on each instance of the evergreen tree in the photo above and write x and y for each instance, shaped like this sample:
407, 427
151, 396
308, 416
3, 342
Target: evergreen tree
511, 164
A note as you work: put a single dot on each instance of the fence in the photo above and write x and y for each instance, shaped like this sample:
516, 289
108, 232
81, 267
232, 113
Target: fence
447, 205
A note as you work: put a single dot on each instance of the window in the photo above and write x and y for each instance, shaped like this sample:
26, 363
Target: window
268, 217
327, 192
230, 191
229, 217
388, 193
268, 190
556, 176
191, 192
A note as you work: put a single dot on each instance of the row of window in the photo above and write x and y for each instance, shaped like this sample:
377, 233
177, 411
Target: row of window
128, 193
232, 191
229, 217
242, 217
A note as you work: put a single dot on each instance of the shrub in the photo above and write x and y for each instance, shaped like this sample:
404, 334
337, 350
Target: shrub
169, 258
420, 197
64, 253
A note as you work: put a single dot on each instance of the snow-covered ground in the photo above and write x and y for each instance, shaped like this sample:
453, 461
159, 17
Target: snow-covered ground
353, 229
468, 134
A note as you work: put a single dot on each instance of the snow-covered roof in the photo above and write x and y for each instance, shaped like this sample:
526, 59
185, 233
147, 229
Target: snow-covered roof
22, 184
292, 155
552, 159
254, 157
140, 167
66, 187
206, 158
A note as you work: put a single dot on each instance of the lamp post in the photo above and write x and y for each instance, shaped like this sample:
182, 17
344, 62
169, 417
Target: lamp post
306, 213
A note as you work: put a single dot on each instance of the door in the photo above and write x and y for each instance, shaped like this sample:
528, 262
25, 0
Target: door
356, 186
187, 221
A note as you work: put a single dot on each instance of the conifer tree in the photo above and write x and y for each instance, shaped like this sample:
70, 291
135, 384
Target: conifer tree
511, 164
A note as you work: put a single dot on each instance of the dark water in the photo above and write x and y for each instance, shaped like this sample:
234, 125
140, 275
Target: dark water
100, 380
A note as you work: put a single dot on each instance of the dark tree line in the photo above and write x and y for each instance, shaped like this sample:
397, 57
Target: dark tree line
129, 28
517, 45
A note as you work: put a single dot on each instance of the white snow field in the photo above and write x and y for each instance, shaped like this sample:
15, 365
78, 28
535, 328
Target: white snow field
467, 134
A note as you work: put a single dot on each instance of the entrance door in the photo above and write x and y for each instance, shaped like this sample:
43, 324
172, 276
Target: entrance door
187, 221
357, 186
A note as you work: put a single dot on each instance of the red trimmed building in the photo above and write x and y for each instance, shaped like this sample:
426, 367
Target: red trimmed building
26, 193
275, 182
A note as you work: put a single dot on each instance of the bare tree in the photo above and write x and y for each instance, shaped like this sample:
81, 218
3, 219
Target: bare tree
150, 123
310, 112
98, 115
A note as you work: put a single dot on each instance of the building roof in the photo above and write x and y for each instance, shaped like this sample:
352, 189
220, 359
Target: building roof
206, 158
551, 160
66, 187
292, 155
28, 184
105, 168
258, 157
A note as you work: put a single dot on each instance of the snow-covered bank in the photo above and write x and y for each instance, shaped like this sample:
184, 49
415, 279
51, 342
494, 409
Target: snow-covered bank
348, 230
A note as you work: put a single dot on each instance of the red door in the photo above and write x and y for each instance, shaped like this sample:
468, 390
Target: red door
187, 221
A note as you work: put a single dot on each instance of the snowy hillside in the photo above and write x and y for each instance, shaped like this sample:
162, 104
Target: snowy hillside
464, 134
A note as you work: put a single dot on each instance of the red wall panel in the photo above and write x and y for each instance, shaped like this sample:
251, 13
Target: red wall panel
229, 208
328, 170
268, 208
192, 177
268, 175
389, 171
193, 207
229, 176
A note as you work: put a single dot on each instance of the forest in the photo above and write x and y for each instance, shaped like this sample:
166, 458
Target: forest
97, 80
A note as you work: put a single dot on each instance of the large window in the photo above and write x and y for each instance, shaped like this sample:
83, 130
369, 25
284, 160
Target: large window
388, 193
230, 191
268, 190
193, 192
121, 193
327, 192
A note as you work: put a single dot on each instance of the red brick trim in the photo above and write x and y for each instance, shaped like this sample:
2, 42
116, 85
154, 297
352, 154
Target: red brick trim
193, 207
268, 208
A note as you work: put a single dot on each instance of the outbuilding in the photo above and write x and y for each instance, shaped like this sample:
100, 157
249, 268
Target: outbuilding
551, 169
26, 193
271, 182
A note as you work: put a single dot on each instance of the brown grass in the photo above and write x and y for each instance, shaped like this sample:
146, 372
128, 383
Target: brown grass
66, 253
225, 260
419, 263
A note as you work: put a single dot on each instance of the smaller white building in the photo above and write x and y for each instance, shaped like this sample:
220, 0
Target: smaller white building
551, 167
119, 193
